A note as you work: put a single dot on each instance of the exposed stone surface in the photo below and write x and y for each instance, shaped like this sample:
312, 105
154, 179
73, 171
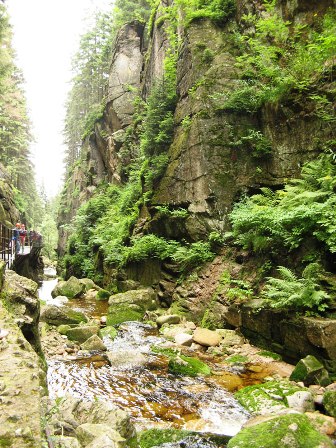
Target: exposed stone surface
20, 294
70, 288
310, 371
20, 391
86, 419
93, 343
130, 305
88, 433
302, 401
61, 315
82, 333
206, 337
184, 339
168, 319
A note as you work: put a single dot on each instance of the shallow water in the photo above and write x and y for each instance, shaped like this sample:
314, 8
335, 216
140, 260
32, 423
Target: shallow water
137, 380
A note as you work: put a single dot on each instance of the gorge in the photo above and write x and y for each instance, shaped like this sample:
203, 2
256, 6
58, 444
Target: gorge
199, 186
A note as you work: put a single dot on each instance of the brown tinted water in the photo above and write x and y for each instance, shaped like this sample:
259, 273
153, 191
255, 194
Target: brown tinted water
137, 380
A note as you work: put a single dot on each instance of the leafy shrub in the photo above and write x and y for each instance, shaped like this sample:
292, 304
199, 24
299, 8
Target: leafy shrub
218, 11
288, 291
150, 246
189, 257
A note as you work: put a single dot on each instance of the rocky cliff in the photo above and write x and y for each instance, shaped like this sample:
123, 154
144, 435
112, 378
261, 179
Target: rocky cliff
217, 152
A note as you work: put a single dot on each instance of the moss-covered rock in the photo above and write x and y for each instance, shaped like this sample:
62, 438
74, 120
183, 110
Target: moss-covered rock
291, 431
71, 288
130, 305
185, 365
156, 437
182, 365
82, 332
310, 371
329, 402
102, 295
61, 315
93, 343
267, 398
63, 329
111, 332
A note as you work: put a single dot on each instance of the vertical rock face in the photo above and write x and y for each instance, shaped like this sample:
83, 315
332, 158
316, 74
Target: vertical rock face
124, 80
208, 167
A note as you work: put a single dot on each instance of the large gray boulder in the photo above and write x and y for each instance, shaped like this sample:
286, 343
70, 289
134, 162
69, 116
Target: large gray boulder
82, 333
61, 315
130, 305
71, 288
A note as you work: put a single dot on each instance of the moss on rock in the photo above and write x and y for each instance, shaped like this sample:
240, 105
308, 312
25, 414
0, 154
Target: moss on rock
329, 402
185, 365
311, 371
291, 431
266, 398
156, 437
109, 331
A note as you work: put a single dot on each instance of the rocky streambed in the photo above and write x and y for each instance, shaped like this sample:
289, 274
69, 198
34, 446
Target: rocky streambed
167, 380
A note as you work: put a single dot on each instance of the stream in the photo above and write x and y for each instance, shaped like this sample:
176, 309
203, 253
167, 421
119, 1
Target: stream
137, 380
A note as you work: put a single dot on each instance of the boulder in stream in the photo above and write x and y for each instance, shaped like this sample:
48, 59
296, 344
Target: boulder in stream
286, 431
206, 337
99, 436
130, 305
82, 333
309, 370
93, 343
72, 288
61, 315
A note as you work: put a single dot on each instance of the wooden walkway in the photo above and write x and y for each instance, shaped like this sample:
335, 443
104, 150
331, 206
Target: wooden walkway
7, 247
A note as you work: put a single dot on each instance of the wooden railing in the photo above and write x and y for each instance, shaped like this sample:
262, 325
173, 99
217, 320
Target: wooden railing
7, 249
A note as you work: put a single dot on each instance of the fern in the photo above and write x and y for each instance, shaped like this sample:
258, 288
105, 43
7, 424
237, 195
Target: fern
288, 291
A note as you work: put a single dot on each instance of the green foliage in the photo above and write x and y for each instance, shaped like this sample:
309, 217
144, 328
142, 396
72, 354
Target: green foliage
237, 358
193, 255
158, 124
288, 291
188, 366
167, 211
305, 208
156, 437
269, 354
218, 11
280, 57
255, 142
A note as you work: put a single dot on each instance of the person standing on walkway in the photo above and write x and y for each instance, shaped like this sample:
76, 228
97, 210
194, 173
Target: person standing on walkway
16, 237
23, 234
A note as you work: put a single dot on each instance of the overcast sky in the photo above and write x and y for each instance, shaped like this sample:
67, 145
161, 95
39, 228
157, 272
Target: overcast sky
46, 35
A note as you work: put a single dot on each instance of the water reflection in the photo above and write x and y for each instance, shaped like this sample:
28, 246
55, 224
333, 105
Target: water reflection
146, 390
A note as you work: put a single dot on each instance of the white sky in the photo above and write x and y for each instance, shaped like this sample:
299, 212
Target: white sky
46, 36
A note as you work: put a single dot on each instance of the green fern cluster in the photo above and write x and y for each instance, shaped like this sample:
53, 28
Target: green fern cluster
305, 208
289, 291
